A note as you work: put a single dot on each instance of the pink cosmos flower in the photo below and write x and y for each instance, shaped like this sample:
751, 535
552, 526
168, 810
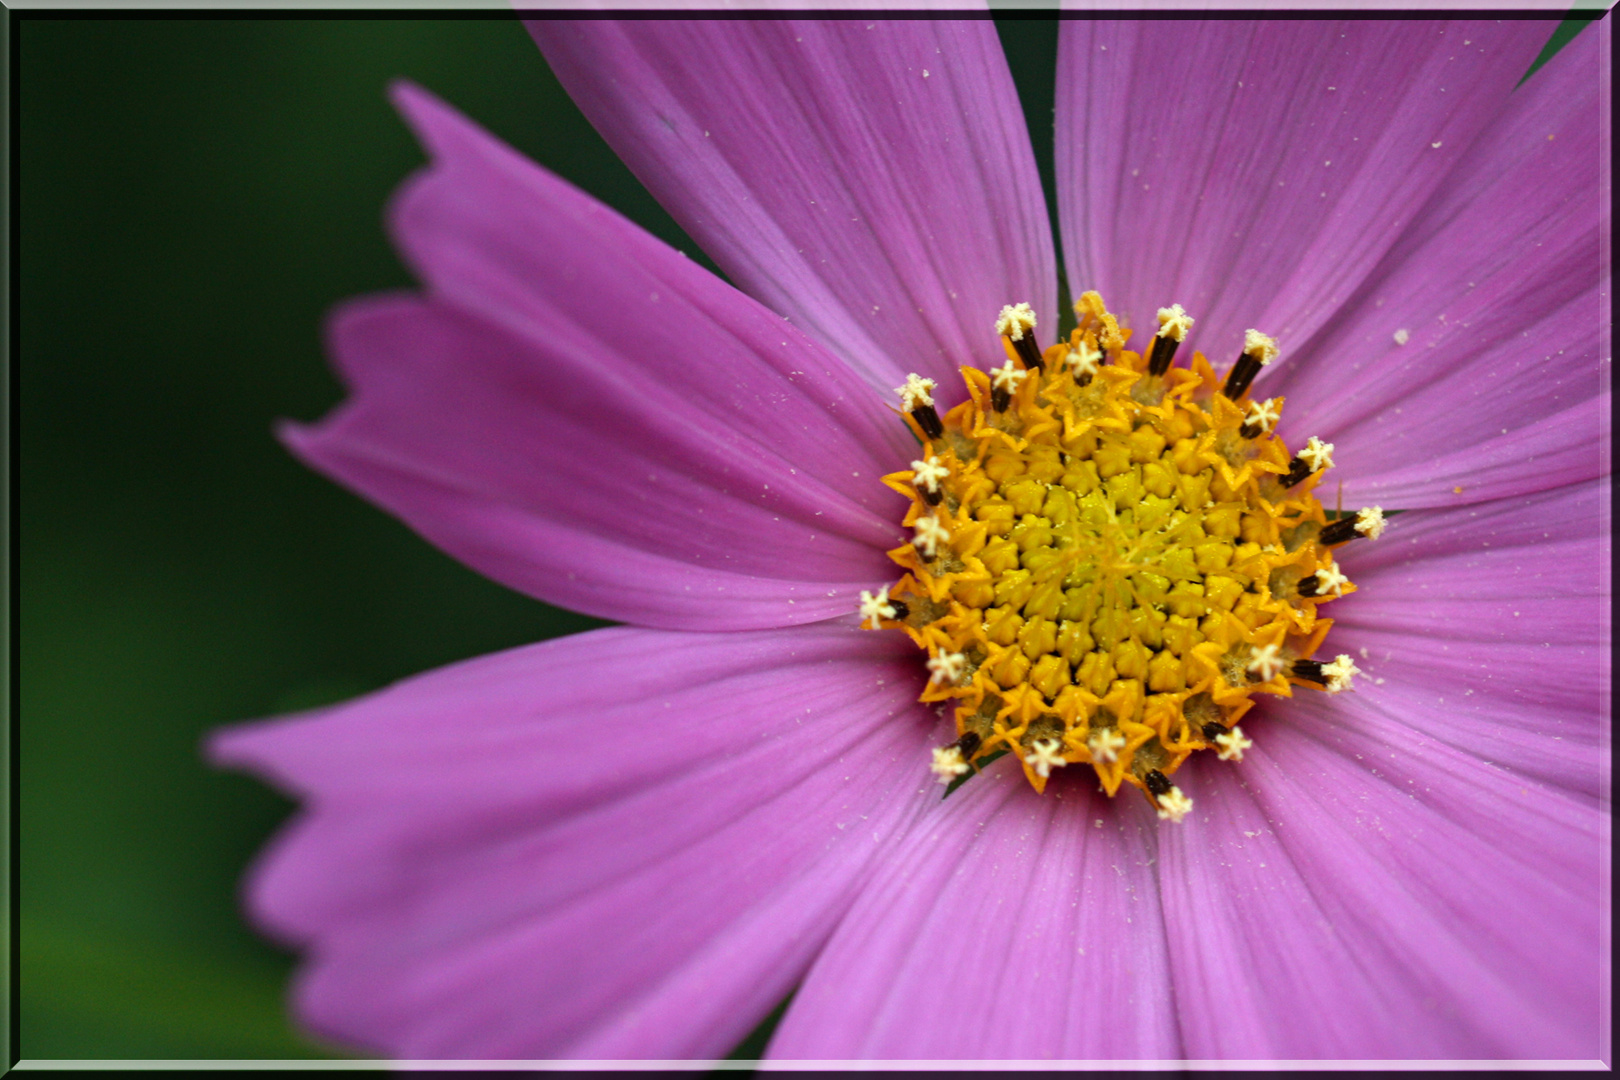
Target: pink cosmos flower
635, 842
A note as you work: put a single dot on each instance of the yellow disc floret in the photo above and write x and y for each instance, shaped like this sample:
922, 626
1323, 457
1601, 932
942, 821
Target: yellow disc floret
1110, 558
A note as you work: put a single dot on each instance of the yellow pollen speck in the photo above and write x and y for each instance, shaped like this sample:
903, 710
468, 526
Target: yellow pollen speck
1106, 569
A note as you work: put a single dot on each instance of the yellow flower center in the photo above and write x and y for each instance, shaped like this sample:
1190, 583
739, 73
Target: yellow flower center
1111, 556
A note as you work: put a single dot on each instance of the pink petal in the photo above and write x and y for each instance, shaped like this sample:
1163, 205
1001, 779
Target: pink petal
1413, 869
580, 413
622, 844
1003, 925
1356, 890
1257, 172
871, 180
1500, 292
1491, 624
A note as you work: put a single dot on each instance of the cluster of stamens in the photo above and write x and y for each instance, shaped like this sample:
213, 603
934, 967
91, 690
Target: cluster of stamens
1111, 555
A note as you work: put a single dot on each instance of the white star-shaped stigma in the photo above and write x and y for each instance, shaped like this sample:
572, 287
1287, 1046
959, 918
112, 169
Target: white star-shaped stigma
1370, 522
875, 608
1105, 746
928, 474
1232, 745
1083, 360
1339, 673
930, 534
1331, 579
947, 667
1044, 756
1014, 320
948, 763
1007, 377
1173, 806
916, 393
1317, 454
1266, 662
1263, 414
1174, 322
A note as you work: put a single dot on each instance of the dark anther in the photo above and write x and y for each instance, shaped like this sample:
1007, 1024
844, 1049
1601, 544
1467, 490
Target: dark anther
1310, 670
928, 420
968, 744
1161, 351
900, 609
931, 496
1157, 782
1000, 398
1211, 730
1309, 585
1337, 532
1297, 471
1028, 351
1241, 375
1251, 431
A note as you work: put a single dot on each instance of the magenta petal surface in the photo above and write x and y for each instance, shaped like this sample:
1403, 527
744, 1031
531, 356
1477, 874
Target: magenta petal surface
579, 412
1488, 627
626, 843
1415, 868
872, 180
1473, 357
1256, 172
1004, 925
1357, 890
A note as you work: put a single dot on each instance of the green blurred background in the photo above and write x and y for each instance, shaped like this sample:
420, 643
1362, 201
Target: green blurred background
194, 195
